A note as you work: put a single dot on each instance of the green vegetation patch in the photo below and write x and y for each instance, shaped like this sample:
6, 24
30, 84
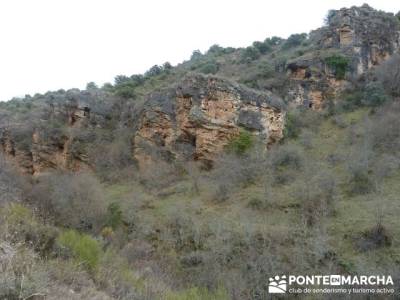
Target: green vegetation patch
83, 248
339, 64
241, 143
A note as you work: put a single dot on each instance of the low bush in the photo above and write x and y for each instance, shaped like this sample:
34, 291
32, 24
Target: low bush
339, 64
249, 54
298, 119
241, 143
287, 156
21, 275
262, 47
374, 94
384, 132
208, 68
284, 163
373, 238
114, 215
292, 125
23, 227
361, 181
73, 200
82, 247
388, 73
317, 193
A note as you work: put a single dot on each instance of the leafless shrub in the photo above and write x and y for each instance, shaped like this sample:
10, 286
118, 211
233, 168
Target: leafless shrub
375, 237
306, 139
384, 131
317, 192
111, 155
159, 175
74, 200
232, 171
389, 74
285, 162
11, 184
20, 274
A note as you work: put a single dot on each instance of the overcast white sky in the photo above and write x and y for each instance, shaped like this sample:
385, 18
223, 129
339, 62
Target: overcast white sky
52, 44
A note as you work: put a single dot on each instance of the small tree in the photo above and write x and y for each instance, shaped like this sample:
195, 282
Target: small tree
196, 54
120, 79
294, 40
374, 94
154, 71
263, 47
249, 54
91, 86
240, 144
114, 215
209, 68
339, 64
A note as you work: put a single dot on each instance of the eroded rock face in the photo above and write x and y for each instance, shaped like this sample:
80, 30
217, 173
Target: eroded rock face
197, 119
367, 35
41, 150
364, 36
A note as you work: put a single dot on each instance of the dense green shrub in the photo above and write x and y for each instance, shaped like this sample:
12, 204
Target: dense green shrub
351, 100
114, 215
91, 86
137, 79
167, 66
83, 248
120, 79
196, 55
126, 90
374, 94
294, 40
339, 64
292, 124
241, 143
273, 41
265, 70
249, 54
262, 47
370, 95
216, 50
209, 68
153, 71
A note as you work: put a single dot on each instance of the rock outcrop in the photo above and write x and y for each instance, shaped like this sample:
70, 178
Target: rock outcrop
363, 36
38, 148
198, 117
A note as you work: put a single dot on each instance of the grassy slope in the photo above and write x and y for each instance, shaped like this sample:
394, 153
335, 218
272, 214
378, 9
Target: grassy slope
354, 214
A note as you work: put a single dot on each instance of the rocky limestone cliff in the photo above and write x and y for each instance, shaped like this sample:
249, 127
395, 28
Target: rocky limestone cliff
197, 119
41, 148
363, 36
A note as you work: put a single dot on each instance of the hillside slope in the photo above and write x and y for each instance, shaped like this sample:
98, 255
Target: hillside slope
201, 181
